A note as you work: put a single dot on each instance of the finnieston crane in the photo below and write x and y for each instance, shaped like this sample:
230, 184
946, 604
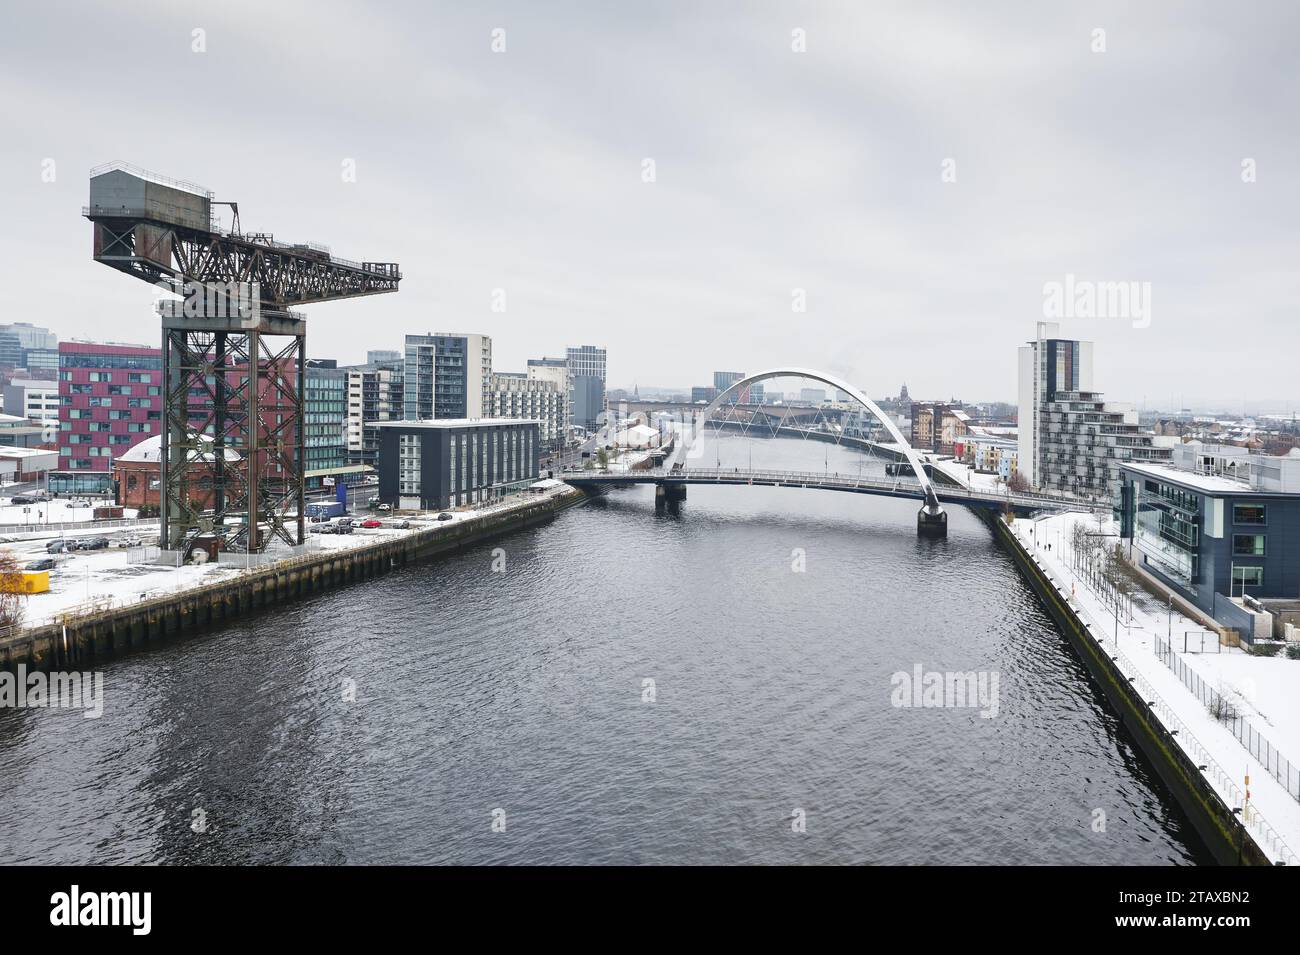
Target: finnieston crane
233, 354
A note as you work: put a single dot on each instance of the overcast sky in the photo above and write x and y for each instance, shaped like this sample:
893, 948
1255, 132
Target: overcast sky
775, 170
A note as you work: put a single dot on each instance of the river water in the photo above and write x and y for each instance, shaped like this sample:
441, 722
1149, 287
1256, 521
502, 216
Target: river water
502, 711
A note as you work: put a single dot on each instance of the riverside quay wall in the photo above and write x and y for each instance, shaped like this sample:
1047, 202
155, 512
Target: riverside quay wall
1216, 822
100, 634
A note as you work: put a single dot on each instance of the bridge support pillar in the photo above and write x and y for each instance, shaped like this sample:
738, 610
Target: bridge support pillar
932, 521
669, 493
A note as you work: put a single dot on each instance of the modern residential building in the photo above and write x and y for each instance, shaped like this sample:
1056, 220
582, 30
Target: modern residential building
325, 446
383, 356
586, 385
1047, 364
435, 464
586, 360
1083, 440
814, 396
588, 401
703, 394
516, 395
446, 376
110, 399
36, 399
556, 370
989, 454
374, 394
1221, 537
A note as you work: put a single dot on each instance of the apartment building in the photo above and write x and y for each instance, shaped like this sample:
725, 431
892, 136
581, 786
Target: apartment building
447, 375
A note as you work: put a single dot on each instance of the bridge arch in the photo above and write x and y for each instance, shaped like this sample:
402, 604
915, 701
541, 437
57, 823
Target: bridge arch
931, 498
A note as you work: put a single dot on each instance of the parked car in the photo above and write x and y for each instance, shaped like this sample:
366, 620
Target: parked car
321, 529
96, 543
23, 499
372, 522
343, 528
403, 524
444, 516
59, 546
127, 542
385, 507
42, 563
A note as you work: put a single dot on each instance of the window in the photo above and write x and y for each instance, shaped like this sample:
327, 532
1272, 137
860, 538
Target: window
408, 464
1248, 514
1249, 545
1243, 577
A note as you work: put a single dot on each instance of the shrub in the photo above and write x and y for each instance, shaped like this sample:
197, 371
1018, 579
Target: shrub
1223, 709
1265, 648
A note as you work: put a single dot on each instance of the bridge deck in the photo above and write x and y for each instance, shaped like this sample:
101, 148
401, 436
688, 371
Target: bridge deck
887, 487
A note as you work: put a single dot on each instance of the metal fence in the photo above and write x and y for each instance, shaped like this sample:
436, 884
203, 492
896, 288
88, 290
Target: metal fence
56, 527
1277, 765
1265, 835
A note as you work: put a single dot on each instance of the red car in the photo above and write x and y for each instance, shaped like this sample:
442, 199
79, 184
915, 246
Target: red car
372, 522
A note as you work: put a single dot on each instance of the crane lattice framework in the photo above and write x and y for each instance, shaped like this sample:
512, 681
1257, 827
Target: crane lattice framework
234, 355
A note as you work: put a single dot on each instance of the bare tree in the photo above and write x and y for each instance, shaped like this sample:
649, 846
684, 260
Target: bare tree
13, 595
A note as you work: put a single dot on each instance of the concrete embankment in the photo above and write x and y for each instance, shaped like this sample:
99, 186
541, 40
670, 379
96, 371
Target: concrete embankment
1216, 823
100, 634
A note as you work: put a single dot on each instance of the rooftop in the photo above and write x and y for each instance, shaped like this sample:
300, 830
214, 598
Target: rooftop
11, 452
453, 423
1209, 483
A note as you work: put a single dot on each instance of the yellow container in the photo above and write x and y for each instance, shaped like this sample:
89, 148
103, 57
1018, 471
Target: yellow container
36, 581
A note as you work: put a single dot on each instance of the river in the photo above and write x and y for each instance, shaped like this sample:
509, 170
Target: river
494, 707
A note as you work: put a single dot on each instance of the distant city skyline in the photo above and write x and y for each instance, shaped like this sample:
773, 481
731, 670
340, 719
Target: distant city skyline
896, 200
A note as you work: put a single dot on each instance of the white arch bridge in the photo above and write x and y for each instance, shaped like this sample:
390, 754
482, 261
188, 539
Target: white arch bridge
675, 475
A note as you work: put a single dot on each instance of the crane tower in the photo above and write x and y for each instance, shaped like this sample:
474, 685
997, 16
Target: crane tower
233, 353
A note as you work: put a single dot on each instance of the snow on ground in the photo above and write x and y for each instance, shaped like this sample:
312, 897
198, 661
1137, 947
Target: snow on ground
59, 510
122, 576
967, 476
1267, 685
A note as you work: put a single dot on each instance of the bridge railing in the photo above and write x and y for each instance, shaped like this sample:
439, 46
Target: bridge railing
832, 479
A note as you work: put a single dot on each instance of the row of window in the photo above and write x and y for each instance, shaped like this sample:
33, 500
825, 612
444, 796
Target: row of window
73, 360
115, 414
116, 390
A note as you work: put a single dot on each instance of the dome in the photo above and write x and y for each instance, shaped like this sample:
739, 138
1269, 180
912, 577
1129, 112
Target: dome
149, 451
